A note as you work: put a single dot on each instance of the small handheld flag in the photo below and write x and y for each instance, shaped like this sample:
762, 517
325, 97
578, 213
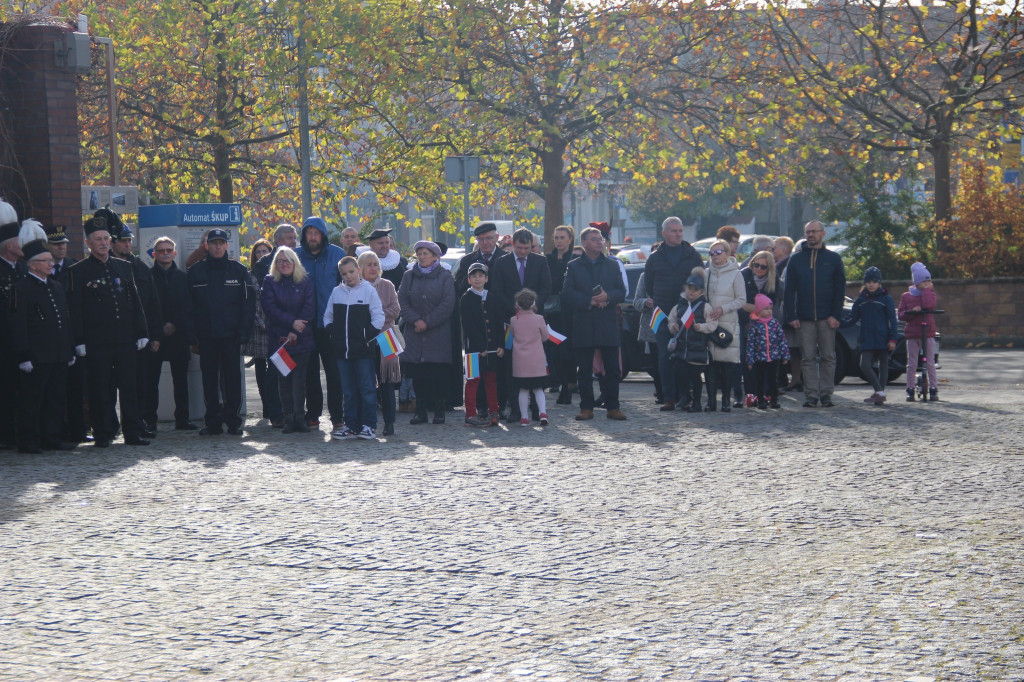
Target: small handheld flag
657, 318
687, 320
554, 337
472, 365
283, 361
508, 337
388, 343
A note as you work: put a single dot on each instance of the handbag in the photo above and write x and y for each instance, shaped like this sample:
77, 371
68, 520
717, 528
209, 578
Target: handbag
553, 304
721, 337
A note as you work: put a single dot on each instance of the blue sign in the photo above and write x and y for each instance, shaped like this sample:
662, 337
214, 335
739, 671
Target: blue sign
190, 215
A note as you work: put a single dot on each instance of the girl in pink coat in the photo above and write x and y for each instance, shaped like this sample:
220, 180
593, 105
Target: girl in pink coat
920, 329
529, 368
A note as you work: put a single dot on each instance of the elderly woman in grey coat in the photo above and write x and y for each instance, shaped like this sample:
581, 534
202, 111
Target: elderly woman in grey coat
427, 297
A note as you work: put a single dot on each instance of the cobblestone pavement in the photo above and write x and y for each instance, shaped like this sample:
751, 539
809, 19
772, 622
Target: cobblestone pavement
855, 543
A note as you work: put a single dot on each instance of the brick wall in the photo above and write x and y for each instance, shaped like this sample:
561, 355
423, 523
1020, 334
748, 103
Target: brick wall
44, 116
986, 312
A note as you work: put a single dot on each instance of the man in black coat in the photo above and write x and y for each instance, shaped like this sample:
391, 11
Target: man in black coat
171, 286
512, 273
487, 252
121, 247
43, 347
12, 269
75, 427
593, 288
665, 273
109, 327
224, 307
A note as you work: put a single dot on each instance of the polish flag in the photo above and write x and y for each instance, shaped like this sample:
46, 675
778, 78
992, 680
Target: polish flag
554, 337
283, 361
687, 320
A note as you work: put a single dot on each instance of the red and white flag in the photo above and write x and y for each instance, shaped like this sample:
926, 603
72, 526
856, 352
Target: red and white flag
554, 337
687, 320
283, 361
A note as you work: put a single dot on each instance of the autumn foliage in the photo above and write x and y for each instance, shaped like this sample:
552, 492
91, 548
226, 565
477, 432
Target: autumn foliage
987, 231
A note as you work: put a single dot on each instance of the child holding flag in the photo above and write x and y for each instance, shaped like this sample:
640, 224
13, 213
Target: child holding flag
529, 367
689, 343
482, 339
353, 317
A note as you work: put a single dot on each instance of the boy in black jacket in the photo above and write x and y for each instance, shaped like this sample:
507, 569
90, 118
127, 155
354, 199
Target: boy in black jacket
483, 333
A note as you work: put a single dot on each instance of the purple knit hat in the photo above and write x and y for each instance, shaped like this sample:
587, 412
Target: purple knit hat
919, 273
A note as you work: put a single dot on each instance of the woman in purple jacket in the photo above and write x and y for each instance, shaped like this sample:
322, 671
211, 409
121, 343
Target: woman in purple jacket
287, 300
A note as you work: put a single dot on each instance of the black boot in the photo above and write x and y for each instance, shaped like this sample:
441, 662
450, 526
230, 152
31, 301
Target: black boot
420, 417
439, 412
933, 395
564, 397
725, 403
910, 395
389, 428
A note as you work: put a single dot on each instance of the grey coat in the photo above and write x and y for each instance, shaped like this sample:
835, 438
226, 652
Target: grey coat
430, 298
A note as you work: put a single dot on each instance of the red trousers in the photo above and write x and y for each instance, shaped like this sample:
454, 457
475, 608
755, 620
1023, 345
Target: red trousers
490, 388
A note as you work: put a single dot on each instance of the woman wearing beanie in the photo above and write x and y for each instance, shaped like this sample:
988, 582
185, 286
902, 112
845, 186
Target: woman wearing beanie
915, 309
766, 348
876, 311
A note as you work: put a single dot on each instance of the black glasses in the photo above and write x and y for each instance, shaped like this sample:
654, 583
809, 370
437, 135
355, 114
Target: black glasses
759, 266
717, 252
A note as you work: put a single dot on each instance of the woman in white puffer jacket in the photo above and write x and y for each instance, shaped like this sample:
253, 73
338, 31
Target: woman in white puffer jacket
726, 296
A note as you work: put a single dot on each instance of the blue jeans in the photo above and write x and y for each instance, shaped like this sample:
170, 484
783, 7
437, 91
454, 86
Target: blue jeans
359, 384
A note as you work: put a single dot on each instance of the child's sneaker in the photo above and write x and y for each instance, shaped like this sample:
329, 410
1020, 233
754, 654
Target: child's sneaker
368, 433
342, 433
543, 419
910, 395
495, 417
933, 395
524, 422
477, 420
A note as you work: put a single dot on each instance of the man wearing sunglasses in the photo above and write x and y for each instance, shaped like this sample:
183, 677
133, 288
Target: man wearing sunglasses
813, 305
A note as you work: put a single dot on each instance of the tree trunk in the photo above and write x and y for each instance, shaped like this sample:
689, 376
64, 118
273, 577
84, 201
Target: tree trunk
943, 190
553, 165
222, 169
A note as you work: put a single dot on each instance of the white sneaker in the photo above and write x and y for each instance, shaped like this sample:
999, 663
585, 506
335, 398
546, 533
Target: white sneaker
343, 432
367, 433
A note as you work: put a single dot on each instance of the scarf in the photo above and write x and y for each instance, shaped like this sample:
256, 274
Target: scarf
427, 270
914, 291
482, 293
760, 282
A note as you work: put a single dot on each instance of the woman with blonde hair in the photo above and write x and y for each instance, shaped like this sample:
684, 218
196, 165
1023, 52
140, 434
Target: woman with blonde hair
287, 299
389, 372
257, 346
726, 295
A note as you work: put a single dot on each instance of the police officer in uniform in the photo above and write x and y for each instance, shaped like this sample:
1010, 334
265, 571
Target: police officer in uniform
224, 307
43, 348
75, 426
109, 326
121, 247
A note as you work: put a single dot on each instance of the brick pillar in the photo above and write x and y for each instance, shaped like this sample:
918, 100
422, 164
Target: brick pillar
44, 124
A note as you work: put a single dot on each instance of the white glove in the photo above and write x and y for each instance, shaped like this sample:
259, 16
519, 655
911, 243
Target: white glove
26, 366
71, 363
141, 343
80, 350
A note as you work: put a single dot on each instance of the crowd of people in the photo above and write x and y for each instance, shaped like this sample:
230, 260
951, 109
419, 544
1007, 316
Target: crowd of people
492, 334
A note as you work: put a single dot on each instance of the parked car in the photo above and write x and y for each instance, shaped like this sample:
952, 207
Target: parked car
744, 252
633, 253
634, 359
